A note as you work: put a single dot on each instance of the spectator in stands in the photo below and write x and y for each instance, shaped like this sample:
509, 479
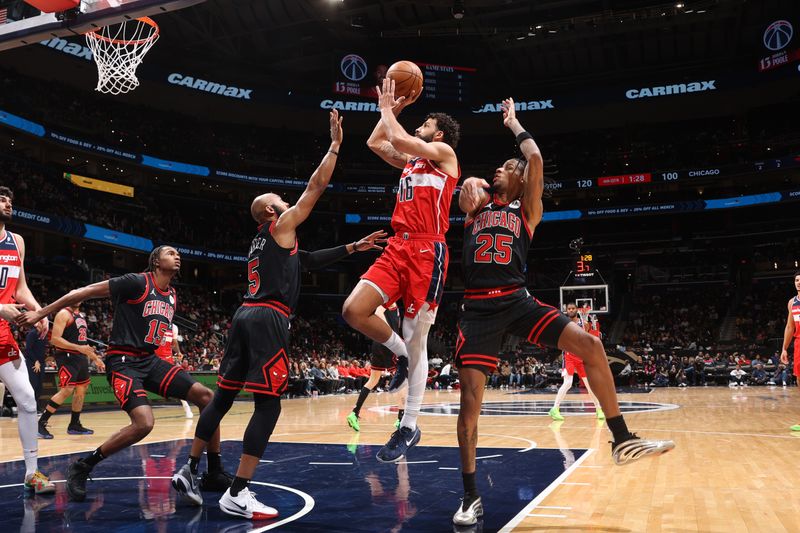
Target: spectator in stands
780, 376
650, 372
738, 377
541, 379
699, 373
759, 376
662, 378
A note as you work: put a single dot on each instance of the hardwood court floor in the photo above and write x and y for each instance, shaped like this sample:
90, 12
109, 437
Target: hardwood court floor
736, 466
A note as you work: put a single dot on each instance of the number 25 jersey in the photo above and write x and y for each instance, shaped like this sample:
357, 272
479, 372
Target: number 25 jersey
496, 243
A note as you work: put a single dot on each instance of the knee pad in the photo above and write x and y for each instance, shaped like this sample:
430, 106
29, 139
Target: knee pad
262, 423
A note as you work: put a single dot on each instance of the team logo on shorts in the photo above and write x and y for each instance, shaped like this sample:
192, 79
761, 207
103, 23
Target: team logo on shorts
122, 387
64, 377
276, 373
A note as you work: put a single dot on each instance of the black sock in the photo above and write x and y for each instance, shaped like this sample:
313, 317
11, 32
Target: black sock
76, 418
362, 396
238, 484
619, 429
470, 490
47, 414
400, 413
194, 462
95, 458
214, 461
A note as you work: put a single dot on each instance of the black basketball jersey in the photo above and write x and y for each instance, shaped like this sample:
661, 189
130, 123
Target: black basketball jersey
76, 331
496, 245
142, 313
273, 272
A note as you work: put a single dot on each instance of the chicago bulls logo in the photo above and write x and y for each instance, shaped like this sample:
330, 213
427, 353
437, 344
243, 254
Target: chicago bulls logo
64, 377
122, 387
276, 373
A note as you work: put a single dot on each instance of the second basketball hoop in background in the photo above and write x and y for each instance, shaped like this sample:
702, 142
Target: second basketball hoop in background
119, 50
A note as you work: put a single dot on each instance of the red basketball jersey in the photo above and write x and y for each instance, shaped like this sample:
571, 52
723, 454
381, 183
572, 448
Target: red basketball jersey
165, 350
10, 266
796, 316
423, 199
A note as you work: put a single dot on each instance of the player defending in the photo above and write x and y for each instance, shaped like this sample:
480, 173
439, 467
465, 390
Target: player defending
168, 349
14, 295
497, 235
381, 361
573, 363
144, 305
414, 265
792, 332
256, 353
70, 337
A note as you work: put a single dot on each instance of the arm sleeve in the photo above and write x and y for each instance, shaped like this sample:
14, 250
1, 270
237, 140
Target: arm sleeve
127, 287
322, 258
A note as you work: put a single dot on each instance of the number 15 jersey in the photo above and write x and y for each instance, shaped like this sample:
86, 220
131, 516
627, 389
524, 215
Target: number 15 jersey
142, 314
496, 243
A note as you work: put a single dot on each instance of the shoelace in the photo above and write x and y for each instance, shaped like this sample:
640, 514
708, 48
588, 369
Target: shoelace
395, 439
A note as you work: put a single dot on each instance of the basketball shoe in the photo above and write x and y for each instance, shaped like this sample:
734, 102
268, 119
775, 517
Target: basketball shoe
468, 512
77, 474
635, 448
600, 414
43, 432
399, 443
215, 481
400, 374
555, 414
38, 483
78, 429
185, 483
352, 421
245, 505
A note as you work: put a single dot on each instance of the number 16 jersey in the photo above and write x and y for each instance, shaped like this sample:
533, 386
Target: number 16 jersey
496, 243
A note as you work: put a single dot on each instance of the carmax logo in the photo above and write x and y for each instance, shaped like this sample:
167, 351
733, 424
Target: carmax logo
74, 49
666, 90
209, 86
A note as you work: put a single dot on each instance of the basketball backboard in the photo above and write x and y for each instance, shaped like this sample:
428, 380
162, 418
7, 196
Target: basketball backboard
594, 296
92, 14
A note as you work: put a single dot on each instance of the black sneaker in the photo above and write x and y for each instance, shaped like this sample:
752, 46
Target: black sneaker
77, 474
216, 481
78, 429
43, 433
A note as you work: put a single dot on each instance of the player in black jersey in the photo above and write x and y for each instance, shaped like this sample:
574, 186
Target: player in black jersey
256, 357
382, 359
144, 305
70, 338
497, 234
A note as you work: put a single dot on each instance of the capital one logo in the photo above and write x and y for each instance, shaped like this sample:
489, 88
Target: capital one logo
353, 67
778, 34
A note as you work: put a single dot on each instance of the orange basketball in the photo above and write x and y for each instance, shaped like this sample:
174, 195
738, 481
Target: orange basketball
407, 79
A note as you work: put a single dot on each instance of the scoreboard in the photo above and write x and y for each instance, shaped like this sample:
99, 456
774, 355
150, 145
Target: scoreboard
358, 74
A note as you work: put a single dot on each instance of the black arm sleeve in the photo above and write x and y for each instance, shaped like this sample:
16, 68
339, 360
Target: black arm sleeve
322, 258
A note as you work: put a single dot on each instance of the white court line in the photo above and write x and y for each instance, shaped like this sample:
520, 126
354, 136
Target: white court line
582, 484
591, 466
553, 507
514, 522
331, 464
157, 455
489, 456
448, 468
265, 461
308, 505
415, 462
548, 515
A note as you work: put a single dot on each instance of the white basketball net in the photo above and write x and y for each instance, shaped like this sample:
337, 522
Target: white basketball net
584, 312
118, 51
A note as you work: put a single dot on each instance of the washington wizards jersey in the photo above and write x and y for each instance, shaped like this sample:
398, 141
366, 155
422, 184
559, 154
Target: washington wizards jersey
143, 313
496, 243
796, 316
10, 266
273, 272
423, 199
75, 332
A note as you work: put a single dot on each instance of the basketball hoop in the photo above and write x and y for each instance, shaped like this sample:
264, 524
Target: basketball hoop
118, 52
584, 312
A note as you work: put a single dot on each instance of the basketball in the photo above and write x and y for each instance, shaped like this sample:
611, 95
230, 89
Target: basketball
407, 79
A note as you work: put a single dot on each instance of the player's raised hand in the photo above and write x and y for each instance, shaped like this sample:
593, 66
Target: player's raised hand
473, 188
337, 133
26, 319
370, 242
43, 326
10, 312
386, 99
509, 112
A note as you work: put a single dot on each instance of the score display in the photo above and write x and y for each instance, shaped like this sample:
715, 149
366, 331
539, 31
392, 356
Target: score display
357, 75
583, 266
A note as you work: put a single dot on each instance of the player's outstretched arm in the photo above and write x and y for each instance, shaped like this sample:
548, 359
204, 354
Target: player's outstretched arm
399, 138
788, 333
379, 143
299, 212
473, 195
534, 171
100, 289
322, 258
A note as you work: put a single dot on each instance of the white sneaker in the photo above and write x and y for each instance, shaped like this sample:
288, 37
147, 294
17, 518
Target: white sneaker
245, 505
634, 449
470, 515
187, 409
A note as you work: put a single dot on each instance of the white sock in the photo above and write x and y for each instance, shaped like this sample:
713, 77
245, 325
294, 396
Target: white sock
417, 373
15, 376
396, 345
563, 390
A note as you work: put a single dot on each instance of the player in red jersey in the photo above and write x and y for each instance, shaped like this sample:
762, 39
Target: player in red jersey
70, 338
168, 349
573, 364
792, 333
14, 295
413, 266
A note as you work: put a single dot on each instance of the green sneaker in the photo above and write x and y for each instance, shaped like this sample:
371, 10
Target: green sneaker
397, 424
600, 414
352, 421
795, 427
555, 415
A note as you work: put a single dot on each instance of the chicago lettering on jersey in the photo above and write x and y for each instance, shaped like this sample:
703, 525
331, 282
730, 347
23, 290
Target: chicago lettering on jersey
157, 307
491, 219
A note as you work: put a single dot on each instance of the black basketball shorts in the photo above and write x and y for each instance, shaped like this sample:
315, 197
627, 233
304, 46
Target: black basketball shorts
131, 376
73, 369
382, 358
486, 320
256, 357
